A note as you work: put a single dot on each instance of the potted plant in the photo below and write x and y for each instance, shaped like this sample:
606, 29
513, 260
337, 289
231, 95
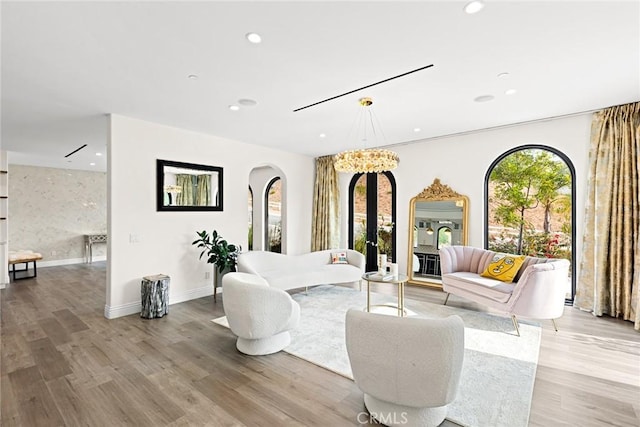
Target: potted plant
219, 252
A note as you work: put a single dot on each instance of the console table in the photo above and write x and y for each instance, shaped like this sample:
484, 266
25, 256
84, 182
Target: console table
89, 241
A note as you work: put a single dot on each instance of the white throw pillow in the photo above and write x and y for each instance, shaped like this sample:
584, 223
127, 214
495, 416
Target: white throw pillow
339, 258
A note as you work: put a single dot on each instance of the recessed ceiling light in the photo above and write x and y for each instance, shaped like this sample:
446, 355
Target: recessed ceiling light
92, 164
503, 75
417, 129
254, 37
98, 154
234, 107
248, 102
473, 6
510, 91
192, 77
484, 98
322, 135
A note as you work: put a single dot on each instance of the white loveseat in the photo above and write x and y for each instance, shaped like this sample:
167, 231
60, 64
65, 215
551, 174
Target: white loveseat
538, 290
298, 271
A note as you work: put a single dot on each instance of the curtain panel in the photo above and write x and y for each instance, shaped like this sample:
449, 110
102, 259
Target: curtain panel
326, 207
186, 195
203, 197
610, 268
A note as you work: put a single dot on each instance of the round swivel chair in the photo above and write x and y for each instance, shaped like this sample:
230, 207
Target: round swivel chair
261, 316
407, 367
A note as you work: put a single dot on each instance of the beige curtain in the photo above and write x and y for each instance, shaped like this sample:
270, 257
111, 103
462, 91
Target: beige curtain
186, 195
326, 208
610, 269
203, 196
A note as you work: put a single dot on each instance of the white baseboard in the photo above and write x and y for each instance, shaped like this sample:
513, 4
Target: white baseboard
174, 298
122, 310
196, 293
56, 262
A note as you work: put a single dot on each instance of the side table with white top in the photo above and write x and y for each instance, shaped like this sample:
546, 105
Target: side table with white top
399, 280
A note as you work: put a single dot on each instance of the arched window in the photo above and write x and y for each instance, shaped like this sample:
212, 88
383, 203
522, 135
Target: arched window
444, 237
273, 220
530, 205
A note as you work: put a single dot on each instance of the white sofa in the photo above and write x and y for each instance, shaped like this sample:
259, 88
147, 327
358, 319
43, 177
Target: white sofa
538, 290
407, 367
259, 315
298, 271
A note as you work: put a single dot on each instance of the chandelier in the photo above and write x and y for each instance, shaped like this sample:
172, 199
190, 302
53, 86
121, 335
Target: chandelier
366, 160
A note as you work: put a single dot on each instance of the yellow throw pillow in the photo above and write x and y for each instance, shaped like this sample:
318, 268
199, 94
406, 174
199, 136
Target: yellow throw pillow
504, 267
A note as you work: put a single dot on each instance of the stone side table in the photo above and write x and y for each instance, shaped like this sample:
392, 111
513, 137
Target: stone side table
154, 292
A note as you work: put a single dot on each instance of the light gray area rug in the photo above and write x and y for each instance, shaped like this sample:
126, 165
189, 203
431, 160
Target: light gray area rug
499, 367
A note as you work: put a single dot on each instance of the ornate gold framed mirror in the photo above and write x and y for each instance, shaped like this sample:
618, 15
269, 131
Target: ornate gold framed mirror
438, 217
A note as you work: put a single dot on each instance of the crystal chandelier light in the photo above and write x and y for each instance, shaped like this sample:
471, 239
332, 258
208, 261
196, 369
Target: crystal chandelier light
366, 160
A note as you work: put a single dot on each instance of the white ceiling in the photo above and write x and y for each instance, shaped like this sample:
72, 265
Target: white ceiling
65, 65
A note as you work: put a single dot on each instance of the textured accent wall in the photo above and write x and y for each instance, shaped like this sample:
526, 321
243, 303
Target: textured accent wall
50, 210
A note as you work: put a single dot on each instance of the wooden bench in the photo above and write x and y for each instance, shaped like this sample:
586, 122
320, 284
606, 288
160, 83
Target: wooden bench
23, 258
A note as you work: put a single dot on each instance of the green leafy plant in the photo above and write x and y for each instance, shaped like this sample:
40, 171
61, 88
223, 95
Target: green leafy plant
219, 252
275, 239
360, 240
524, 181
385, 237
536, 244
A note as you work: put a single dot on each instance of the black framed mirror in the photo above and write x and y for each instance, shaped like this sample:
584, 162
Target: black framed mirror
188, 186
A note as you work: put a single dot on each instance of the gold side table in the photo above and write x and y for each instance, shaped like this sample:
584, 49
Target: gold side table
399, 280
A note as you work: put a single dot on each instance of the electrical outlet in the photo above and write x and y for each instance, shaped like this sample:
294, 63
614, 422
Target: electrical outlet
134, 238
53, 253
207, 275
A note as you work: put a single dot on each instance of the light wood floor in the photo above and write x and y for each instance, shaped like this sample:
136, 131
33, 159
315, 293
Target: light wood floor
63, 363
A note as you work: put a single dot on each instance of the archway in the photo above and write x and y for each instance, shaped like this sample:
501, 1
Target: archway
261, 179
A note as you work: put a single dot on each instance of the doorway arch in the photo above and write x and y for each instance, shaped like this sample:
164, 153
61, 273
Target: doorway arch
372, 216
261, 178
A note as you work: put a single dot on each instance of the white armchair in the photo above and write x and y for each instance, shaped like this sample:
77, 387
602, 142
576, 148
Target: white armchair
407, 367
259, 315
416, 263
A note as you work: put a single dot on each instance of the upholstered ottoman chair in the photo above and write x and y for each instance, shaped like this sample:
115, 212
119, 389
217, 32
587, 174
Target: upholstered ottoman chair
407, 367
261, 316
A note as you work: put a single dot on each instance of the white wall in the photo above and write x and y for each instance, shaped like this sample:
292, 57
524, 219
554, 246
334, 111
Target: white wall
143, 241
462, 163
52, 209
